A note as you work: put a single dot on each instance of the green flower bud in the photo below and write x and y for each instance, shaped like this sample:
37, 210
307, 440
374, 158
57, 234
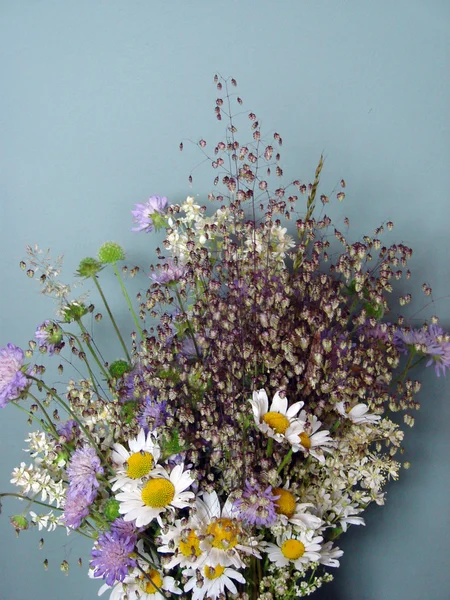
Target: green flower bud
374, 310
88, 267
111, 252
74, 312
159, 220
119, 368
128, 411
111, 509
62, 458
19, 522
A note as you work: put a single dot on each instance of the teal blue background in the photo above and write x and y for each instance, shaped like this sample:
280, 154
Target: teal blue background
95, 97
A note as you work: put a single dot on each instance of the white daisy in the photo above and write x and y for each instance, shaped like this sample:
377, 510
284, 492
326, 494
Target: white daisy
278, 422
329, 555
297, 549
160, 493
313, 441
358, 413
131, 465
290, 510
214, 581
138, 585
221, 534
182, 542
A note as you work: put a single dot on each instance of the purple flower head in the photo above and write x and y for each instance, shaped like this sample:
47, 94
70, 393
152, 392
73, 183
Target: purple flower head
257, 507
111, 556
432, 340
146, 215
126, 529
68, 430
82, 470
49, 337
12, 379
169, 273
76, 509
153, 414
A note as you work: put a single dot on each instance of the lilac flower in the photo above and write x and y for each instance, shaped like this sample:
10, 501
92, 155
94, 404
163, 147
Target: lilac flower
432, 340
111, 556
169, 273
146, 214
125, 529
12, 379
257, 507
153, 414
68, 430
49, 337
82, 470
76, 509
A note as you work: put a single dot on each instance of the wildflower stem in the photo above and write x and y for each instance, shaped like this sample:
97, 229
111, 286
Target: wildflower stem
127, 298
191, 332
31, 500
285, 461
269, 448
41, 406
29, 413
91, 349
105, 302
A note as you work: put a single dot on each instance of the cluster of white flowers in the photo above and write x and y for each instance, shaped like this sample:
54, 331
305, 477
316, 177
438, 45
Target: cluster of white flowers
38, 481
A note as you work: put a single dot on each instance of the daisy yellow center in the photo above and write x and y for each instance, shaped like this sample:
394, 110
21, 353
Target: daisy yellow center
276, 421
305, 441
156, 581
190, 547
158, 492
139, 464
224, 532
214, 572
285, 505
292, 549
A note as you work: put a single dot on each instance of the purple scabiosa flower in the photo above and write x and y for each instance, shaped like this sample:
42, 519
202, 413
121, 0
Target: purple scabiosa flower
68, 430
76, 509
126, 529
82, 470
111, 556
431, 341
49, 337
153, 414
257, 507
169, 273
146, 215
12, 379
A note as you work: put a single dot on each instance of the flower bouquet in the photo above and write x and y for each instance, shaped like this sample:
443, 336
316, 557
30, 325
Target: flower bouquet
253, 415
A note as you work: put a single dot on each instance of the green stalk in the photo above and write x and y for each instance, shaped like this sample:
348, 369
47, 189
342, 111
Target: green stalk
285, 460
88, 366
100, 291
269, 448
31, 500
191, 332
127, 298
50, 422
91, 349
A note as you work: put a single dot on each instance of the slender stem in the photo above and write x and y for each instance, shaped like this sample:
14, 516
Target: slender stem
127, 298
91, 349
91, 374
191, 332
119, 335
285, 460
29, 413
50, 422
269, 448
31, 500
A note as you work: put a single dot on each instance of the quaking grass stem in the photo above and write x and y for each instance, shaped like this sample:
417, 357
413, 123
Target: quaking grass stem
105, 302
127, 298
91, 349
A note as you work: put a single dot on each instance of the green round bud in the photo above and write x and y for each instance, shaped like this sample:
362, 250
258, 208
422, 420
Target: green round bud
111, 252
74, 312
128, 411
111, 509
62, 458
55, 334
88, 267
374, 310
119, 368
19, 522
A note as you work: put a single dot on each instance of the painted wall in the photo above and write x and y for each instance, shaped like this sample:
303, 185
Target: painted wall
95, 97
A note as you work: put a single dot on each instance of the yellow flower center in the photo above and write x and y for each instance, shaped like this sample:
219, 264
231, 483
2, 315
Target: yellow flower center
158, 492
225, 533
139, 464
214, 572
190, 547
285, 505
292, 549
151, 587
305, 441
276, 421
